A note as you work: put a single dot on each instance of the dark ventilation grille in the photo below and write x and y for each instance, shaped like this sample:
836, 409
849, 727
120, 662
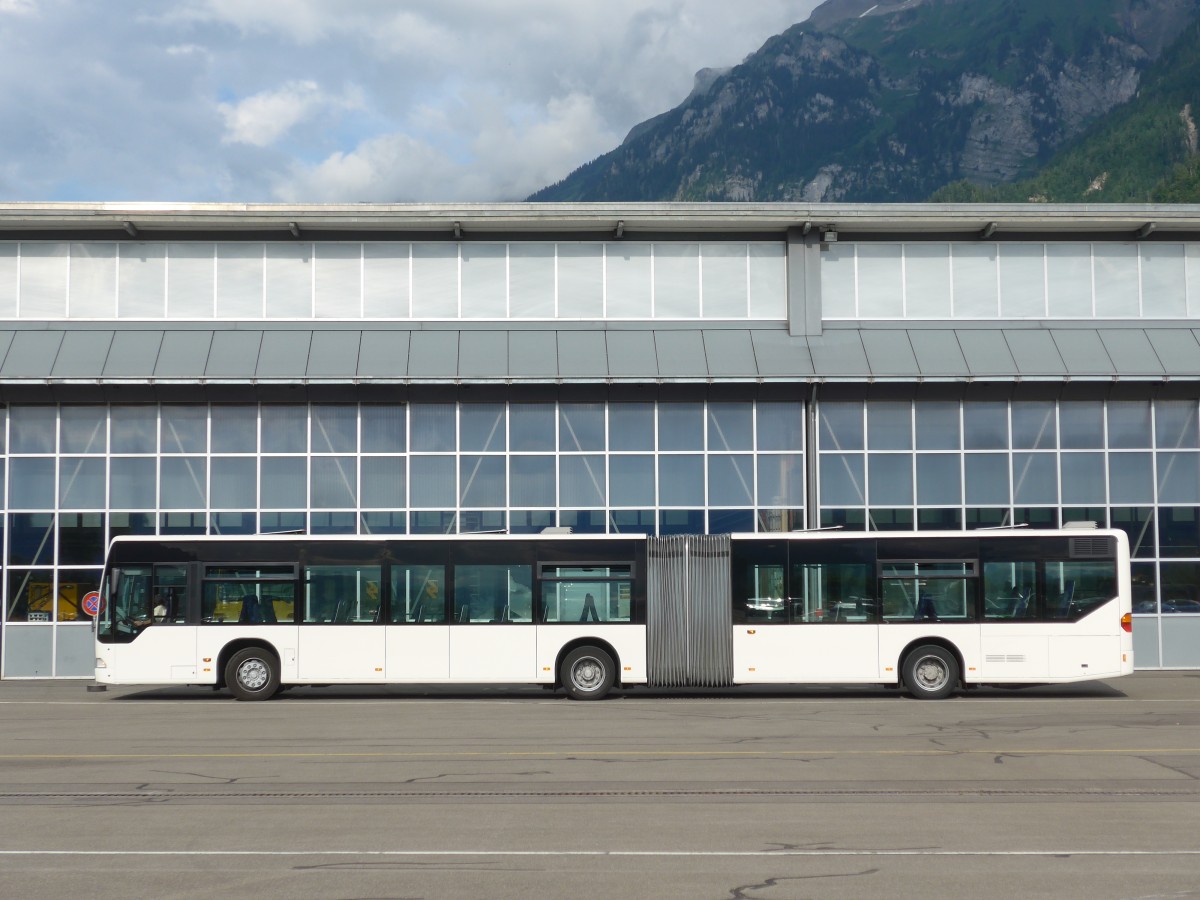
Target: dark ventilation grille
1091, 548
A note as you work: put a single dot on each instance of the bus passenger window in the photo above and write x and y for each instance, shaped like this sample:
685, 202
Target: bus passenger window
418, 594
1010, 590
493, 593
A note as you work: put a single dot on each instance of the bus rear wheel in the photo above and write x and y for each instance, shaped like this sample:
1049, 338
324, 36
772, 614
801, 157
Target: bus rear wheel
252, 674
930, 672
587, 673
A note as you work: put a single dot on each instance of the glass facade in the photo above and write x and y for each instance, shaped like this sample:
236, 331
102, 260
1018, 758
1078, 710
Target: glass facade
984, 280
393, 280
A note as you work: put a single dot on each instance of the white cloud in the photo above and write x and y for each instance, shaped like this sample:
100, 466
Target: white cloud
263, 118
357, 100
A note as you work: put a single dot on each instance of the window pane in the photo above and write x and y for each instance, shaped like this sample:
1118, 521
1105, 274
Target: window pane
680, 426
383, 482
184, 429
939, 482
284, 482
289, 281
937, 425
417, 593
1130, 478
81, 482
781, 480
183, 482
1023, 280
432, 426
134, 429
1069, 280
284, 429
1164, 281
334, 428
1033, 425
1035, 478
780, 426
730, 426
142, 283
927, 281
481, 481
627, 281
879, 282
94, 281
132, 482
724, 280
30, 539
1128, 424
890, 479
1179, 531
841, 426
1082, 424
234, 429
532, 426
581, 281
382, 428
333, 482
768, 280
631, 426
1179, 477
676, 281
190, 280
31, 483
531, 281
435, 281
240, 281
730, 480
385, 280
985, 424
632, 480
30, 597
338, 281
842, 479
1179, 587
532, 480
889, 425
432, 481
987, 478
1116, 280
234, 482
838, 297
1175, 424
84, 429
681, 480
32, 429
493, 593
43, 279
581, 426
975, 281
581, 480
484, 281
347, 594
1083, 478
481, 427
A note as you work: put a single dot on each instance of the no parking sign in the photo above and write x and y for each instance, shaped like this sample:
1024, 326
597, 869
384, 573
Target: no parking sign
91, 603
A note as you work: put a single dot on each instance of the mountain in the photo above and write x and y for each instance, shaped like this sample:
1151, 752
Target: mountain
899, 100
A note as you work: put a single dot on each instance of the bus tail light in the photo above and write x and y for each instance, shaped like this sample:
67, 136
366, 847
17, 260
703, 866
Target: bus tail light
101, 664
1127, 623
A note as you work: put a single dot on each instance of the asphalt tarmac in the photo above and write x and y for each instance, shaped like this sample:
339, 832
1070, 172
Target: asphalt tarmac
1089, 791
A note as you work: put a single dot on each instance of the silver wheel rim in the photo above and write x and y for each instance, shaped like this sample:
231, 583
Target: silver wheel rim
587, 674
253, 675
931, 673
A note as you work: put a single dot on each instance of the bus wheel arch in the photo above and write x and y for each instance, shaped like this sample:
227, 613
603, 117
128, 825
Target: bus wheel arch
588, 669
931, 669
250, 669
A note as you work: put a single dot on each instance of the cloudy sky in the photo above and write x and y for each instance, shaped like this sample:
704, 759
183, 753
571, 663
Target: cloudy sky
343, 100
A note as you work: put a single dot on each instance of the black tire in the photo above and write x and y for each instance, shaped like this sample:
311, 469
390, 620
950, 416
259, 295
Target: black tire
587, 673
930, 672
253, 674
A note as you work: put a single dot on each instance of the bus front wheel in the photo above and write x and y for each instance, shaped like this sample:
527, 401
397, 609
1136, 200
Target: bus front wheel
587, 673
930, 672
252, 674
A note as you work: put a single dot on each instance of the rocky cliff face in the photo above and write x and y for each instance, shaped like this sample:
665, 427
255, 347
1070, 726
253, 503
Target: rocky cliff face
890, 101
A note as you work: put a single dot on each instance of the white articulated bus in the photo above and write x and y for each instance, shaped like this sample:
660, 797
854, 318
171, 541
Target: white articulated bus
930, 611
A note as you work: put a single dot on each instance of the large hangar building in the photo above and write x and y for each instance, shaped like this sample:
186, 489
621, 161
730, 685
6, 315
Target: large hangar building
661, 368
